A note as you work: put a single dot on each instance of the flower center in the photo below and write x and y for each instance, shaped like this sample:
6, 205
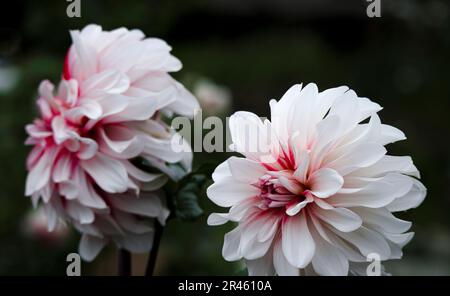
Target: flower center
279, 189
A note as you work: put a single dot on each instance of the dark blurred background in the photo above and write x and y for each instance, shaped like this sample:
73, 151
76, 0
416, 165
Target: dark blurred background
254, 51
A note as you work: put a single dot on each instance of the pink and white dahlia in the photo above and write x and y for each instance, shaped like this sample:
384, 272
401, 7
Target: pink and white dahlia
104, 114
315, 192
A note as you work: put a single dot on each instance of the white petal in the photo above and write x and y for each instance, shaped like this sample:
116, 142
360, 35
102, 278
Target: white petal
85, 62
46, 92
243, 209
90, 247
249, 135
299, 114
410, 200
39, 175
400, 239
107, 82
325, 182
156, 183
62, 169
52, 217
367, 241
328, 260
137, 109
350, 252
80, 213
390, 134
327, 131
139, 174
325, 100
147, 204
375, 195
222, 171
322, 203
268, 228
360, 156
87, 229
68, 91
229, 192
113, 104
231, 245
282, 266
367, 108
68, 189
281, 108
346, 107
298, 245
382, 220
132, 223
294, 209
260, 267
340, 218
87, 107
363, 133
388, 164
251, 248
245, 170
88, 148
60, 130
90, 109
302, 159
217, 219
107, 172
291, 185
37, 132
120, 142
86, 193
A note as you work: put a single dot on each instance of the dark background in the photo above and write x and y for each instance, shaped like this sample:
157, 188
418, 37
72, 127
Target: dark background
257, 49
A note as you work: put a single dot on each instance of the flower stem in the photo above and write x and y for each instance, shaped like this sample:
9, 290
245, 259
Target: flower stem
124, 263
154, 251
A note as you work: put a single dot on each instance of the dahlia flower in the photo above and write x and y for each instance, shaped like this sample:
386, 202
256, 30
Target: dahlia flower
315, 191
104, 114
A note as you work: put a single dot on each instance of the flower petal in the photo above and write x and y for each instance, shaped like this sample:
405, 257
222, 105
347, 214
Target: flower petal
328, 260
39, 175
231, 245
90, 247
297, 242
325, 182
245, 170
282, 266
107, 172
410, 200
229, 192
340, 218
376, 194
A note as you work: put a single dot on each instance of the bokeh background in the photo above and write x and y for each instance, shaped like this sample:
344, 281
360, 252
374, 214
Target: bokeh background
247, 52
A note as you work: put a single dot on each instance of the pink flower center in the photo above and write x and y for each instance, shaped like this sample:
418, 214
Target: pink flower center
279, 189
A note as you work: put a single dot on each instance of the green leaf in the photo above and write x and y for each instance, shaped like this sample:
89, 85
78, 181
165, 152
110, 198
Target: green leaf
187, 207
189, 188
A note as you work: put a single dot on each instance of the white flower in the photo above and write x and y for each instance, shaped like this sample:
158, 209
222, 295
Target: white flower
104, 114
316, 191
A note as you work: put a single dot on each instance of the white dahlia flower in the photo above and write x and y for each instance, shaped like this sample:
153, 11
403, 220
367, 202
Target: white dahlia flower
315, 192
104, 114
